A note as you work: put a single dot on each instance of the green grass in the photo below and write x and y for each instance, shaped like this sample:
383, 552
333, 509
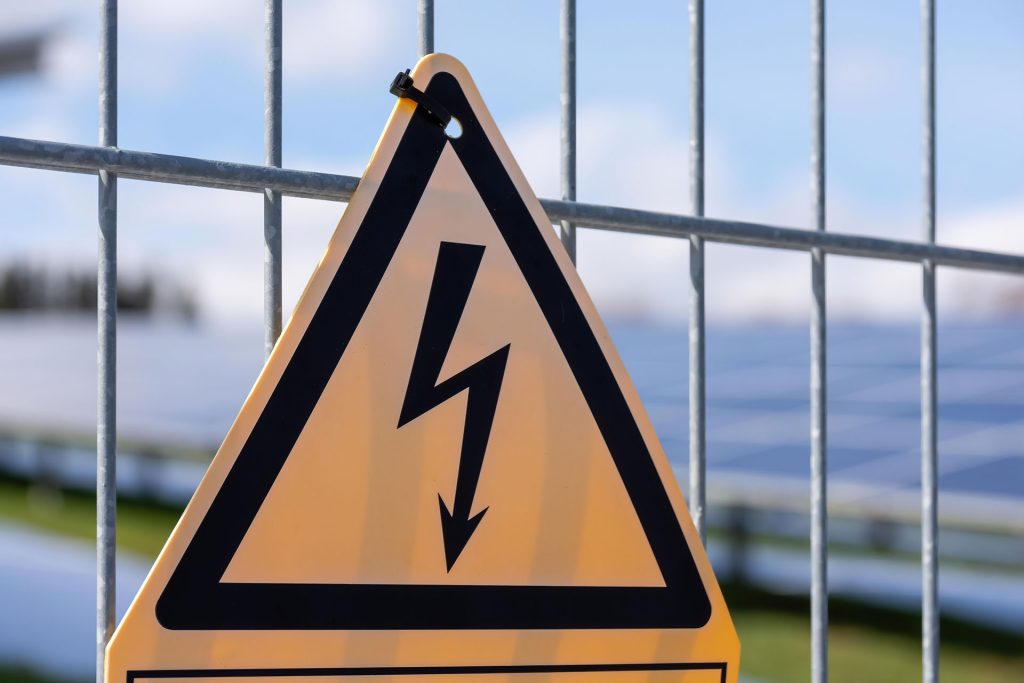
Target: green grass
776, 648
21, 676
63, 439
866, 643
141, 527
848, 549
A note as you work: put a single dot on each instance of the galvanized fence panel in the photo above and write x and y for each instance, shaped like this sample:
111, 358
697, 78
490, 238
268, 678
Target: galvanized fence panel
109, 162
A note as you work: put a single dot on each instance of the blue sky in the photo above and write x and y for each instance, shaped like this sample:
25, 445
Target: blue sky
191, 83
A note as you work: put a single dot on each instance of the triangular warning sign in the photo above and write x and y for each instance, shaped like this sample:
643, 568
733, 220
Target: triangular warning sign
443, 467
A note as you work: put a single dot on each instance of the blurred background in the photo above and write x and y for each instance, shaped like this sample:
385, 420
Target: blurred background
190, 337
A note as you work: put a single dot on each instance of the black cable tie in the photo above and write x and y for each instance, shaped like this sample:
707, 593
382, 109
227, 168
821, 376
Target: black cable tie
402, 87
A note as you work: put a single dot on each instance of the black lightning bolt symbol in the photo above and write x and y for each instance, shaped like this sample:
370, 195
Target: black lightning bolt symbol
456, 269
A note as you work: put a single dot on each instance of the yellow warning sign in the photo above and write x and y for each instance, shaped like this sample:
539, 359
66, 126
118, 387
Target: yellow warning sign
443, 470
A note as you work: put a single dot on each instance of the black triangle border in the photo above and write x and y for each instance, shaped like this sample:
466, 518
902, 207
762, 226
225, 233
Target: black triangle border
196, 599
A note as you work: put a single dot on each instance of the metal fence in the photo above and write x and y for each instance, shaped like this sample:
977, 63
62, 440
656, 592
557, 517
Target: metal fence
109, 162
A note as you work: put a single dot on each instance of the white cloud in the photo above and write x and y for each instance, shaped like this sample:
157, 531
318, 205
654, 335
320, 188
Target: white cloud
338, 40
180, 18
162, 43
70, 51
332, 40
648, 276
638, 159
214, 241
973, 293
71, 62
16, 17
865, 75
69, 65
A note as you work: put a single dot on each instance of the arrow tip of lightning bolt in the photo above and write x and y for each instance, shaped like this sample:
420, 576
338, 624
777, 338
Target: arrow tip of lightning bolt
456, 531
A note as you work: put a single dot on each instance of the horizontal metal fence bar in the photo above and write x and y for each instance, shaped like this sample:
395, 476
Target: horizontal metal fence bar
252, 178
168, 168
758, 234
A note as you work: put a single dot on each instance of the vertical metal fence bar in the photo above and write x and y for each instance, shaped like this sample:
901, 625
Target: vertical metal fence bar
106, 356
425, 27
568, 127
696, 331
272, 32
929, 379
819, 409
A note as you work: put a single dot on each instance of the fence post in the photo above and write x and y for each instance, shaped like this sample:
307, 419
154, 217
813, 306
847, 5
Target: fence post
819, 405
567, 99
929, 379
425, 27
272, 138
106, 356
698, 450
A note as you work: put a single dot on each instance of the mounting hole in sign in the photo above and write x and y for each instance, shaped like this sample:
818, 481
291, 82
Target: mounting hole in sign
454, 129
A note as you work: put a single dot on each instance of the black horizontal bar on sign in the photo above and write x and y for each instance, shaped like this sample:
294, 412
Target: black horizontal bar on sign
313, 185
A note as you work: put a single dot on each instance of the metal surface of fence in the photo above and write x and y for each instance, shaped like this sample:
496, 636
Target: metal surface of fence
109, 162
